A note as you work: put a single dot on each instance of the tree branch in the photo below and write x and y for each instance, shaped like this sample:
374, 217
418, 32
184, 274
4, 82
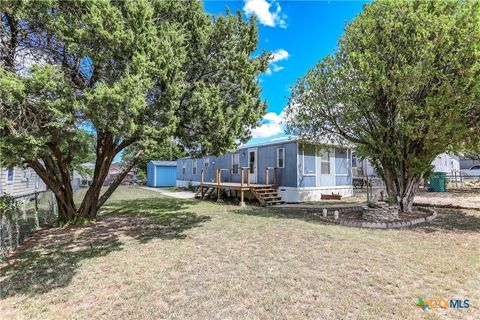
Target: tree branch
133, 162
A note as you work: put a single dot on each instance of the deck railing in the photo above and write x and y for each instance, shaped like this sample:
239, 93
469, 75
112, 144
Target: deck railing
218, 176
267, 175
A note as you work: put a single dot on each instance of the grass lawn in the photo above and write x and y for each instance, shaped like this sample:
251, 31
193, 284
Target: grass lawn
151, 257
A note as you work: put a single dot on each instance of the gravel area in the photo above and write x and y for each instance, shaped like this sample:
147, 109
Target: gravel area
464, 199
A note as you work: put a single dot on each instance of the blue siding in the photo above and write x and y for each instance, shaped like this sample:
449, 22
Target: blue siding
160, 175
266, 157
302, 167
150, 174
166, 176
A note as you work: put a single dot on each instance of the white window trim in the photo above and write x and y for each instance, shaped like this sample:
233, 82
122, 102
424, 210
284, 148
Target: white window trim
329, 152
184, 167
278, 158
206, 162
194, 166
13, 176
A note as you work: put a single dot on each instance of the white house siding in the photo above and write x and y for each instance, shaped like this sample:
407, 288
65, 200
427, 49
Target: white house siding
22, 184
446, 163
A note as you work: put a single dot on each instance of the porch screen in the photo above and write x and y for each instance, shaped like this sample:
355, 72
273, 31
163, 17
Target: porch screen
309, 160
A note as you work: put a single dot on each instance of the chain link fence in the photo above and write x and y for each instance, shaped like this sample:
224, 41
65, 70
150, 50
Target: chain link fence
376, 189
20, 215
460, 180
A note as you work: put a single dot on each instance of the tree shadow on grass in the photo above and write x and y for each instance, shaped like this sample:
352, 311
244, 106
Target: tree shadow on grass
453, 220
50, 258
282, 213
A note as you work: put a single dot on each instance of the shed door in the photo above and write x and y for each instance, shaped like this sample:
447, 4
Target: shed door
166, 176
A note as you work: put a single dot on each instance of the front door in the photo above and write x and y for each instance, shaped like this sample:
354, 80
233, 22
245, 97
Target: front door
252, 164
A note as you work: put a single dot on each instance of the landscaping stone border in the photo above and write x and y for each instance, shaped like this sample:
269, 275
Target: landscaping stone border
390, 225
364, 224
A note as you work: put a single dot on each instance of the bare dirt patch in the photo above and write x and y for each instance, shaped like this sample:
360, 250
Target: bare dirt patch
465, 199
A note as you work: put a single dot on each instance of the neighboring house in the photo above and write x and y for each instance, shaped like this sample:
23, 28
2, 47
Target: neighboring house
18, 181
113, 172
444, 162
304, 171
161, 173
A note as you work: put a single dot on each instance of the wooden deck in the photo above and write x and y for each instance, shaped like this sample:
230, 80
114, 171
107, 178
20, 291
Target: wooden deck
266, 194
235, 185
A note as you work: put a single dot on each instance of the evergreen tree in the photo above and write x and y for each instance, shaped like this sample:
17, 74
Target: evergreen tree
130, 73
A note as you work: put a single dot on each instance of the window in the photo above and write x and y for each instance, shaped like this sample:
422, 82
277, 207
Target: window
309, 166
25, 174
325, 162
235, 163
10, 174
281, 158
37, 181
354, 159
194, 167
475, 168
184, 167
206, 162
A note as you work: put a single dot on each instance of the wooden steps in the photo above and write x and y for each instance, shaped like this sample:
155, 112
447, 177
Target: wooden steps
204, 192
267, 196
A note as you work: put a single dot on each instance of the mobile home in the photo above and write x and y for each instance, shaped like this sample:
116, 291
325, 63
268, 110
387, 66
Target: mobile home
302, 171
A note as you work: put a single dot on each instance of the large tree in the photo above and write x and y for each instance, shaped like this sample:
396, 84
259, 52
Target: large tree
128, 73
402, 86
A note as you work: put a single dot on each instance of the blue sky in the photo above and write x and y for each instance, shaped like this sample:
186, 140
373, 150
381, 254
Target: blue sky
299, 33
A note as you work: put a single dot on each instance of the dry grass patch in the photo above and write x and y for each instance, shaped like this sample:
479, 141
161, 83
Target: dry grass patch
151, 257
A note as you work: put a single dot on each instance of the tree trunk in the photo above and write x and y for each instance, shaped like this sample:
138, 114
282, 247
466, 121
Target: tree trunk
60, 185
66, 207
401, 188
89, 206
55, 172
106, 151
135, 160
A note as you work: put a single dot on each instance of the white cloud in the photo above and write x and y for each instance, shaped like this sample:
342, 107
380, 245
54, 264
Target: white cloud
279, 55
272, 124
261, 8
276, 68
273, 117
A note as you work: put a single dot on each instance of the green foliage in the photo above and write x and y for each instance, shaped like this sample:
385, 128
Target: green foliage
141, 177
8, 207
95, 77
403, 87
167, 151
